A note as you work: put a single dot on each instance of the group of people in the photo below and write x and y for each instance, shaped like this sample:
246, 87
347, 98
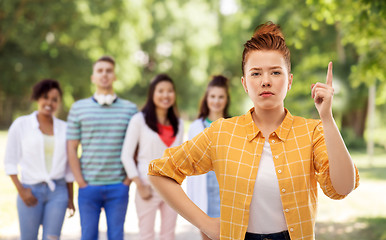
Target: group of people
117, 143
249, 177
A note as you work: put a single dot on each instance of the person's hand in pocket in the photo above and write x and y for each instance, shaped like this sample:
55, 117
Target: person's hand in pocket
127, 181
28, 198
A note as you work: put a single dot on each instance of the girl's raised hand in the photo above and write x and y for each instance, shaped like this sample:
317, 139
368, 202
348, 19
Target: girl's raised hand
322, 93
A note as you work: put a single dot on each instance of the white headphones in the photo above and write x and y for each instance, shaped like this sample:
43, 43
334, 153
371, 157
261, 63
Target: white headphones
105, 99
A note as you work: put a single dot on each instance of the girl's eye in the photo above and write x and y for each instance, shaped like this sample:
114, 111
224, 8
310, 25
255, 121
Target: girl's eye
255, 74
276, 73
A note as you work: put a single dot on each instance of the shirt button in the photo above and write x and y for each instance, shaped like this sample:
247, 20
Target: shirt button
279, 171
287, 210
273, 141
276, 157
291, 229
283, 190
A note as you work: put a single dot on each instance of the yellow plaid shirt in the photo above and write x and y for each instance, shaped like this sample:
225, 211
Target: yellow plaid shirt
233, 147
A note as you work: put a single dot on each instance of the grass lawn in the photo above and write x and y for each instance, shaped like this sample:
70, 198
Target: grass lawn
360, 216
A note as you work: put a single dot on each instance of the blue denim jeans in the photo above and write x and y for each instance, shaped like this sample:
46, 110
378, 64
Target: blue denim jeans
272, 236
49, 211
113, 199
213, 191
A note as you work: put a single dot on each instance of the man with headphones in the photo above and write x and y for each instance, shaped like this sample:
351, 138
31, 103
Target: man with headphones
99, 125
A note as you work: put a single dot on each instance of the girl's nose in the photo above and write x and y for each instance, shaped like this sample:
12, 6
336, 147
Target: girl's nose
266, 82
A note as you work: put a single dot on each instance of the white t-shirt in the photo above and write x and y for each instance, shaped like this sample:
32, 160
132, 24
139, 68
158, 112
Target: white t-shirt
266, 209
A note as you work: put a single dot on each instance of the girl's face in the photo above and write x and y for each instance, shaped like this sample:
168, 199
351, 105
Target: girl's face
164, 95
48, 103
216, 99
266, 79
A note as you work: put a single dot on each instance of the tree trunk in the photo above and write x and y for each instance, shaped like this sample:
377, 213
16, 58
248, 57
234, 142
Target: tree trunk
371, 123
356, 120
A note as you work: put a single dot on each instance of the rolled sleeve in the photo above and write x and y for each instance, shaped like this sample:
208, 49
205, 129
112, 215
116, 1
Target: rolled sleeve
191, 158
322, 167
13, 151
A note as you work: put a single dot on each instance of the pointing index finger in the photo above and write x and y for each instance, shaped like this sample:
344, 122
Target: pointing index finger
329, 75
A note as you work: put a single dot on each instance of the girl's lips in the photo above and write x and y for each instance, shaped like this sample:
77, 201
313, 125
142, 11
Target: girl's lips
266, 94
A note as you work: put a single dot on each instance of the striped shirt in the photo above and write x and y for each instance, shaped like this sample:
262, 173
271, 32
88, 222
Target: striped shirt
101, 131
233, 147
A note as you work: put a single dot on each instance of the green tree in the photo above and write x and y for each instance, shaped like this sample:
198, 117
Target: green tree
38, 40
361, 47
190, 41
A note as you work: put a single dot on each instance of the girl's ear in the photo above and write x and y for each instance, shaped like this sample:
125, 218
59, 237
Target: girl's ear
244, 84
290, 78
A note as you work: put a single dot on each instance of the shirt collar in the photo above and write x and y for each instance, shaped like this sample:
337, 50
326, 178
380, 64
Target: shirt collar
34, 119
35, 122
282, 131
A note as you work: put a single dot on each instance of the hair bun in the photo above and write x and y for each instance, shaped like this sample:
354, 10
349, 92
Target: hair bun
268, 28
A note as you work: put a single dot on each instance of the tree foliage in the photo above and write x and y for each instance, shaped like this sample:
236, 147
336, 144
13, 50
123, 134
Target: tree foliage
190, 40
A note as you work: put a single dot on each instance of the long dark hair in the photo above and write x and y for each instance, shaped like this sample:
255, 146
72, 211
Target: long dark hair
217, 81
149, 108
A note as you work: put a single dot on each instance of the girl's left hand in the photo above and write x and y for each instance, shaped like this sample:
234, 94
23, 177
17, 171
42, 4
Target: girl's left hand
71, 208
322, 93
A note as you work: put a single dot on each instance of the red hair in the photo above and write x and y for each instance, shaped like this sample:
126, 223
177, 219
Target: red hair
267, 36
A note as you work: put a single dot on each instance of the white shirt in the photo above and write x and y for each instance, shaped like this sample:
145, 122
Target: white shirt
266, 209
150, 145
25, 147
196, 185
